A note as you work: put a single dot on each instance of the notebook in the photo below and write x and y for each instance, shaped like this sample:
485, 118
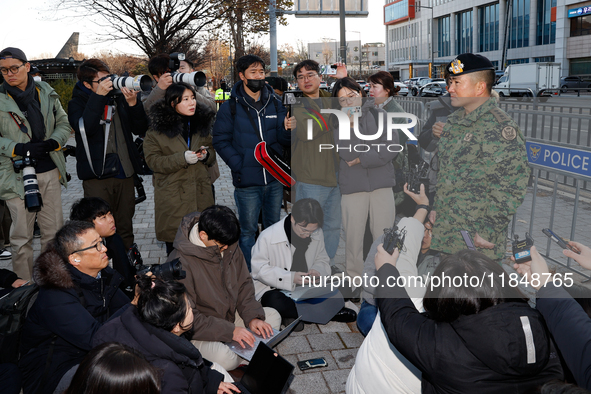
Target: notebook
278, 336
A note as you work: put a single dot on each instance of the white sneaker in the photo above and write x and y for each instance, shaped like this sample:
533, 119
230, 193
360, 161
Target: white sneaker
5, 254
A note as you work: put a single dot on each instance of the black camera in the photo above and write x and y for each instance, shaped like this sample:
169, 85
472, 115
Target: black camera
33, 200
394, 239
172, 270
196, 78
418, 171
134, 256
521, 249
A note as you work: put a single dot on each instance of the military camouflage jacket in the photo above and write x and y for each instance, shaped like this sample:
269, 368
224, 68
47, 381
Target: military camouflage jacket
482, 178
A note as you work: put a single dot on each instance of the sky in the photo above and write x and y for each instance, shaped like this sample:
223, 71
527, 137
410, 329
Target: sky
42, 32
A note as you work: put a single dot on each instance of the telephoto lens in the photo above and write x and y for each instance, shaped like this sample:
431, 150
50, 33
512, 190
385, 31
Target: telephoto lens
33, 200
196, 78
137, 83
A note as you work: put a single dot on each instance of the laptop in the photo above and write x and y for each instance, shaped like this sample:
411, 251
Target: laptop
267, 373
278, 336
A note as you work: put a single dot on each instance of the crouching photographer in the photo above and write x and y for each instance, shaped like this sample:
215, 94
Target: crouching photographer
34, 128
105, 121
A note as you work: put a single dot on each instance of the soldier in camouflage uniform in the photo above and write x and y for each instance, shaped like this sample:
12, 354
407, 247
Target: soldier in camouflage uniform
483, 164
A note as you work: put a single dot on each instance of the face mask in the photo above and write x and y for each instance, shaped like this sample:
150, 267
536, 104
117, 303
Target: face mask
37, 78
255, 84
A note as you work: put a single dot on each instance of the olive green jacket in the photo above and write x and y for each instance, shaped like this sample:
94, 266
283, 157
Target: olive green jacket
308, 164
56, 126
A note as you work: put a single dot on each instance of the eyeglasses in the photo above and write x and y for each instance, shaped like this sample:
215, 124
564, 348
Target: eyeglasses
307, 232
13, 70
98, 246
306, 77
350, 97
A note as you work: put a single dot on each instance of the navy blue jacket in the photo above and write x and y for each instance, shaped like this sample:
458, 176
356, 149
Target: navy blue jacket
570, 326
70, 308
234, 138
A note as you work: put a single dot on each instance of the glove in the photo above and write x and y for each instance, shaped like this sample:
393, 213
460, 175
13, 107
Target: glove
191, 157
36, 149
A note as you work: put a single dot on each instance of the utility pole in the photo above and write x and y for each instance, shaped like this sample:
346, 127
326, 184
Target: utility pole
343, 34
273, 37
418, 8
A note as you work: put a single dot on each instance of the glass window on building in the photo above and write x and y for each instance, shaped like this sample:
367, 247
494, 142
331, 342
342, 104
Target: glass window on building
545, 28
443, 36
580, 66
519, 32
489, 27
517, 61
464, 32
396, 11
580, 26
544, 59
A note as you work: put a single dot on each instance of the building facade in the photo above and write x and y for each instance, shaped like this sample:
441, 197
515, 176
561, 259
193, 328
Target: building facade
424, 32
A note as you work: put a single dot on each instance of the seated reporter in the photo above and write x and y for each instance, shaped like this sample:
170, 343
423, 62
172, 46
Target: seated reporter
78, 293
483, 339
156, 328
285, 253
98, 212
219, 285
567, 321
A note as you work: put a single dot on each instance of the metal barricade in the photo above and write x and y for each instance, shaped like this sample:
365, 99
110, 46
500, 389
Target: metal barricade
413, 106
549, 158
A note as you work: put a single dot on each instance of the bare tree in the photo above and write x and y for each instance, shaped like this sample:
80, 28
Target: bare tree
155, 26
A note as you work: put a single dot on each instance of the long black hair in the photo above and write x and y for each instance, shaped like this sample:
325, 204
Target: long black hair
114, 368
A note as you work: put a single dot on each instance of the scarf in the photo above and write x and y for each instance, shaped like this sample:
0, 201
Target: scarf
299, 263
28, 104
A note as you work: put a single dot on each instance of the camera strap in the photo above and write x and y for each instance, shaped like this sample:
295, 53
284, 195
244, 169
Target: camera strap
107, 123
19, 122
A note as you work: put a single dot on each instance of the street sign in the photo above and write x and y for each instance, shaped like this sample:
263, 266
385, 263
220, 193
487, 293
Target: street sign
330, 8
559, 157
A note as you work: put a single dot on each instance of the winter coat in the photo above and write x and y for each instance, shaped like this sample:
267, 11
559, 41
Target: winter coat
503, 349
375, 171
234, 137
182, 368
56, 128
219, 286
70, 308
308, 163
91, 107
570, 327
179, 188
272, 256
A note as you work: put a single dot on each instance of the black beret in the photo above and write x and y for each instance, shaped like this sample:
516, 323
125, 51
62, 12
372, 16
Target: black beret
468, 63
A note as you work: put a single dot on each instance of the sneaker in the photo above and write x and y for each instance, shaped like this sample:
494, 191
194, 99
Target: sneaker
5, 254
335, 270
37, 233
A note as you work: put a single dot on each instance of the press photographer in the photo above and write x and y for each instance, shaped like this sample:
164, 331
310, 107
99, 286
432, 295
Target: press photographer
164, 68
106, 156
34, 126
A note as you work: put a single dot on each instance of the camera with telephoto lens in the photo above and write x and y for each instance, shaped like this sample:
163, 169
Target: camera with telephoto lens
138, 83
33, 200
172, 270
196, 78
393, 239
521, 249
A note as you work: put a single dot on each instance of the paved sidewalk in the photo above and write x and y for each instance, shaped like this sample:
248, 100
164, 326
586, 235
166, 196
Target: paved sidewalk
336, 342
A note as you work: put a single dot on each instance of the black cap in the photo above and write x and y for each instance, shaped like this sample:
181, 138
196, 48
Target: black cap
468, 63
14, 53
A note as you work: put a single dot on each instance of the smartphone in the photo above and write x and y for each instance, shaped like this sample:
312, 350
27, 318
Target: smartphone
468, 240
312, 363
328, 69
560, 241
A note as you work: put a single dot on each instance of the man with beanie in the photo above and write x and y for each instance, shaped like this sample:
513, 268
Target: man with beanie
99, 117
34, 125
483, 168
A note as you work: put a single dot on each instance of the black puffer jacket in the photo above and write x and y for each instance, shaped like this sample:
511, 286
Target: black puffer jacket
503, 349
70, 308
183, 368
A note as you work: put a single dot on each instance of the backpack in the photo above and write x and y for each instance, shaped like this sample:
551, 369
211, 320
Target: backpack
14, 307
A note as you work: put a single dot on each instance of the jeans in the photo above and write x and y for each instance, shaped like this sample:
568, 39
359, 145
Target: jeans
330, 201
366, 316
250, 201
